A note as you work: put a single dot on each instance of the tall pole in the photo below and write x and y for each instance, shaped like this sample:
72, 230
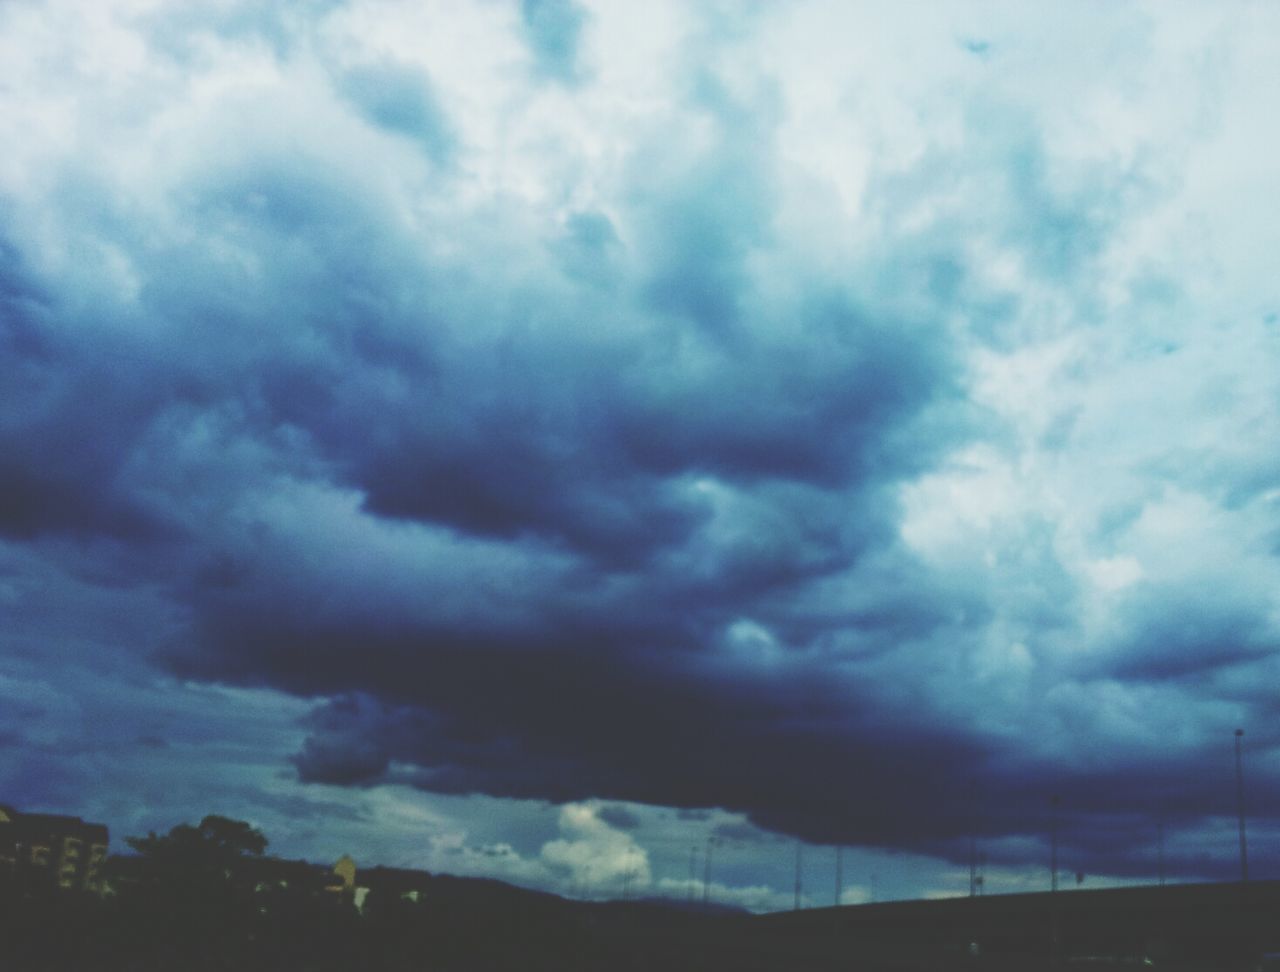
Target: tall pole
799, 862
839, 874
706, 874
1053, 843
973, 841
973, 866
1244, 851
1160, 847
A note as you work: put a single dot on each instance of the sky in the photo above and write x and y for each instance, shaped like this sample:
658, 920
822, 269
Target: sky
558, 440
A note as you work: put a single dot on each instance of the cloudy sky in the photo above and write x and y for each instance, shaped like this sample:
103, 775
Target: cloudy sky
545, 439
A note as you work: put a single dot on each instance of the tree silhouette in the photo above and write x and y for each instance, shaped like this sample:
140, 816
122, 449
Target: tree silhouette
215, 849
195, 884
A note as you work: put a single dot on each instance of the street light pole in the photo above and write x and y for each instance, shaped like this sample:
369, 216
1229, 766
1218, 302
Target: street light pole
973, 868
973, 841
1160, 847
706, 874
799, 861
1244, 851
1053, 843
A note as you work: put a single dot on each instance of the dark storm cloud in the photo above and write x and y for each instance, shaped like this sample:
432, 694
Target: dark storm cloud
614, 507
345, 764
597, 453
64, 422
558, 728
1109, 821
741, 832
618, 817
593, 501
731, 477
1187, 635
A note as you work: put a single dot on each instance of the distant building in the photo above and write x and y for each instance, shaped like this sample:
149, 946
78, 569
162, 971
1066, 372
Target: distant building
342, 882
344, 875
43, 850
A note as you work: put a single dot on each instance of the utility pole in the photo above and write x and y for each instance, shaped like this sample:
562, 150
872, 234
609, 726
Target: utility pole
799, 862
973, 867
1160, 847
1055, 920
973, 841
706, 874
1244, 852
839, 874
1053, 843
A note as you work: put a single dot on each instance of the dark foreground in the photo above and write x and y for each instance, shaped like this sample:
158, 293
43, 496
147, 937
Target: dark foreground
461, 926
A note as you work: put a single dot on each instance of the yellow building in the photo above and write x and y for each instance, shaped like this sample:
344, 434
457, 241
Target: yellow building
50, 850
344, 873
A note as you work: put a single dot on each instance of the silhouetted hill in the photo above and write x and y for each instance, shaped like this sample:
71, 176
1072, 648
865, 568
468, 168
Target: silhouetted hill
1189, 922
279, 916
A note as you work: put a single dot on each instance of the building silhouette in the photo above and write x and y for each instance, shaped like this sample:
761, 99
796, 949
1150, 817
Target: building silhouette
43, 850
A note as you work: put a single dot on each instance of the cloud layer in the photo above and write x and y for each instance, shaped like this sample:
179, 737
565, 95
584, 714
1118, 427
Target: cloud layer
874, 439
